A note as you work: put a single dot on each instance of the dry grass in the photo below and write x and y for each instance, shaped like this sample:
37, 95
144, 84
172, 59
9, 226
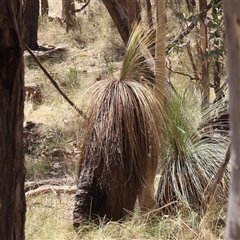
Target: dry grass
49, 217
92, 51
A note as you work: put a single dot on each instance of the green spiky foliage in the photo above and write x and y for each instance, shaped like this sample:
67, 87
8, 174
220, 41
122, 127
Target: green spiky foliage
121, 136
193, 148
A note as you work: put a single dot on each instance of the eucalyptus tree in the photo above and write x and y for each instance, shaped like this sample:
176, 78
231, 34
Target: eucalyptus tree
12, 170
30, 19
232, 25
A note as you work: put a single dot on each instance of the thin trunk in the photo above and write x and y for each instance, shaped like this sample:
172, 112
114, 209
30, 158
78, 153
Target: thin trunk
30, 18
205, 86
232, 25
44, 7
194, 67
12, 170
161, 46
217, 80
217, 66
68, 13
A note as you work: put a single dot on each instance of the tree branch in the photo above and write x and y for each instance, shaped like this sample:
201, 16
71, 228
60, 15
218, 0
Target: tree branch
54, 83
187, 30
85, 5
210, 194
184, 74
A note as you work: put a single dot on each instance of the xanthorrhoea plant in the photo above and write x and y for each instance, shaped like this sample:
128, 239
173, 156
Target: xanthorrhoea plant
192, 149
121, 139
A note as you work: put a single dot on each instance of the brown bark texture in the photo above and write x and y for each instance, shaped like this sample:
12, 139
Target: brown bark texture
44, 7
133, 11
30, 18
12, 170
68, 6
232, 30
118, 11
205, 87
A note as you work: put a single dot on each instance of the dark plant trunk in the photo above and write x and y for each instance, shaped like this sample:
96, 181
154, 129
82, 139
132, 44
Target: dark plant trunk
30, 18
44, 7
232, 25
12, 170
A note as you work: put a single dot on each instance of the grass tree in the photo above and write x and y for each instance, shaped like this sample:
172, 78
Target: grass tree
121, 140
193, 147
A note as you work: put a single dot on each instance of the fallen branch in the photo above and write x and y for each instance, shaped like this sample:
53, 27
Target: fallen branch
54, 83
48, 189
31, 185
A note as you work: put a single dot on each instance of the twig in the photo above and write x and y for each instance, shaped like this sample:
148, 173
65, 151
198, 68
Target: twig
85, 5
184, 74
210, 194
54, 83
187, 30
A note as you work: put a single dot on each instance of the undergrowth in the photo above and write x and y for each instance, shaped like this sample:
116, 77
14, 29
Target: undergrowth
49, 217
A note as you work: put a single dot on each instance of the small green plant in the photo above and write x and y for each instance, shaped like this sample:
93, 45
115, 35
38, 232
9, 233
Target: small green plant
109, 63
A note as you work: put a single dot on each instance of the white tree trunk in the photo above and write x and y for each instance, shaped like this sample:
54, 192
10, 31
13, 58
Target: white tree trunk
232, 25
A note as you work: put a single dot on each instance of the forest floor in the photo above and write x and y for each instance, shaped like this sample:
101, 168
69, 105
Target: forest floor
91, 51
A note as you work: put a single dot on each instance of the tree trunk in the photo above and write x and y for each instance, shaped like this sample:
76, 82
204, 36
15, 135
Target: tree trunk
44, 7
217, 64
68, 13
118, 11
67, 6
232, 25
12, 170
30, 18
133, 12
149, 11
161, 46
205, 87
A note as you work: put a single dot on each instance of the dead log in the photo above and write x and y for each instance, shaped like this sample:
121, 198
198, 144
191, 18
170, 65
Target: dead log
31, 185
49, 188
